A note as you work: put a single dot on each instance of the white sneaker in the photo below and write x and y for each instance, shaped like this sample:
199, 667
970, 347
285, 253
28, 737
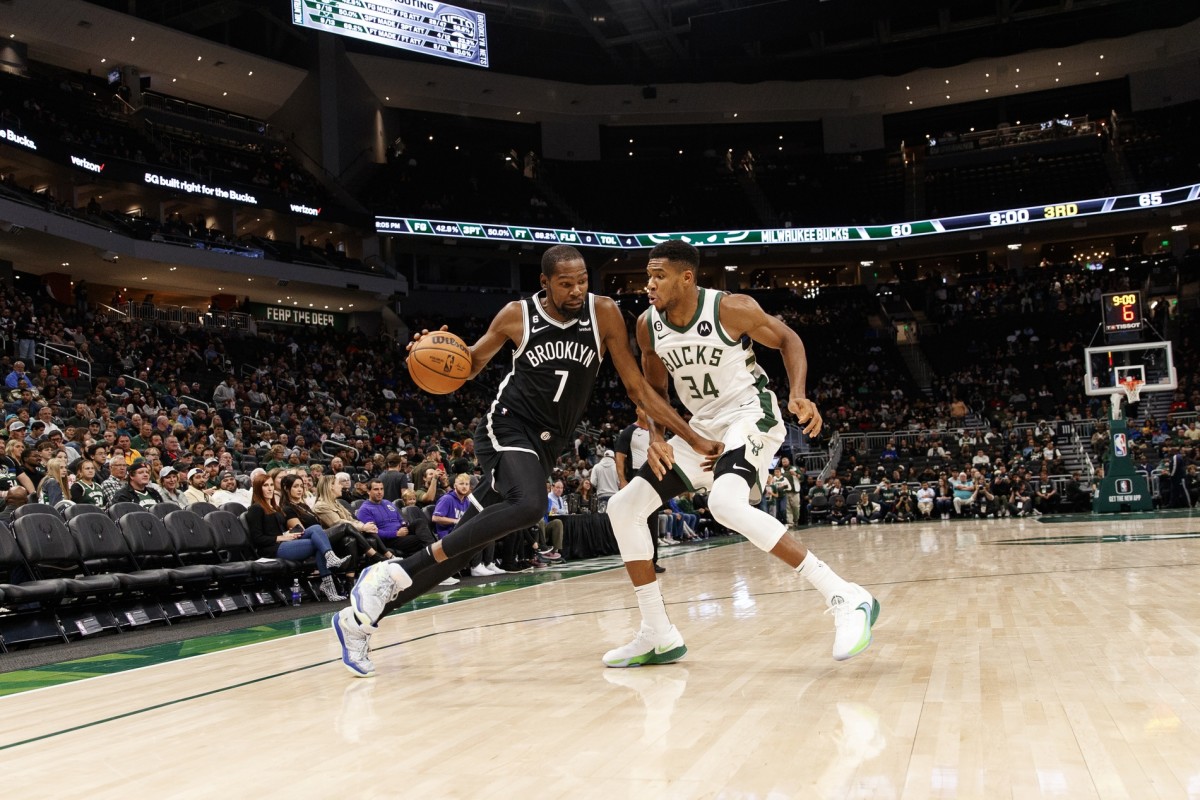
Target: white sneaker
853, 615
377, 585
648, 648
355, 642
496, 570
449, 581
481, 571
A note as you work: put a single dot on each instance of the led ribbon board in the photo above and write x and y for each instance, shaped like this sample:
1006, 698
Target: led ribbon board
421, 26
850, 233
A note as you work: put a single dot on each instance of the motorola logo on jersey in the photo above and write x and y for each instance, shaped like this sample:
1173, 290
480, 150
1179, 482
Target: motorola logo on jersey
705, 328
1120, 448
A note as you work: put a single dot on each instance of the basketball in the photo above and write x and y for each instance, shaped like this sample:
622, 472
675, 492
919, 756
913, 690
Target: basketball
439, 362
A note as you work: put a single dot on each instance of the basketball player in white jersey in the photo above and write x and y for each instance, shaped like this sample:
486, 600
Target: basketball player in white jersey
700, 339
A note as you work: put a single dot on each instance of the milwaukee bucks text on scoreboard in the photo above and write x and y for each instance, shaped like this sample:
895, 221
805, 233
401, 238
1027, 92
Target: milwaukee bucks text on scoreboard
848, 233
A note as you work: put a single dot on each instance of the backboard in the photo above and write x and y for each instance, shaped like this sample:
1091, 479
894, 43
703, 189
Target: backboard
1108, 367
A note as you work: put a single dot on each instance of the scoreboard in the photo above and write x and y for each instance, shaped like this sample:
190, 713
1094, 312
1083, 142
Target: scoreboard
1122, 311
421, 26
1099, 206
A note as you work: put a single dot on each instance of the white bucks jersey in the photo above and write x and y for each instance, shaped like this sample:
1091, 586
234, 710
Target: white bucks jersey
714, 376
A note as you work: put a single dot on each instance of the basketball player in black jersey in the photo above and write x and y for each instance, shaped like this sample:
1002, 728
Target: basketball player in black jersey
561, 335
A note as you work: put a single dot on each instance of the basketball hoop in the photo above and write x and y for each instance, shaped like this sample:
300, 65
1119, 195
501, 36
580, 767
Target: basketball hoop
1133, 389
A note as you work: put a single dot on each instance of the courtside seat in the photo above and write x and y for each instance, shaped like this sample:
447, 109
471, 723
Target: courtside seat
51, 553
201, 509
232, 508
151, 546
47, 591
162, 509
118, 510
102, 546
193, 541
34, 508
79, 509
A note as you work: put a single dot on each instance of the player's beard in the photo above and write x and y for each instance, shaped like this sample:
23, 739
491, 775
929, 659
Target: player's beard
565, 312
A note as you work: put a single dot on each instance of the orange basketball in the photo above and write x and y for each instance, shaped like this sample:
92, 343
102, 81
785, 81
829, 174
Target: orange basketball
439, 362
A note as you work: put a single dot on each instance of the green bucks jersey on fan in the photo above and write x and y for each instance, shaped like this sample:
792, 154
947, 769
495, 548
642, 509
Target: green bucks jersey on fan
714, 375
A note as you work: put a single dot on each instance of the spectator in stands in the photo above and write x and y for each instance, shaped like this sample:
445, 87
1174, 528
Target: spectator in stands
925, 500
585, 497
53, 488
1020, 501
227, 491
168, 487
272, 538
866, 510
389, 523
449, 510
793, 481
330, 513
12, 463
138, 489
86, 489
118, 469
839, 514
964, 493
395, 479
18, 374
604, 478
551, 524
197, 491
1046, 499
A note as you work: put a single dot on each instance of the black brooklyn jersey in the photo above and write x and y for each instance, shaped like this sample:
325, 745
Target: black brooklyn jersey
554, 370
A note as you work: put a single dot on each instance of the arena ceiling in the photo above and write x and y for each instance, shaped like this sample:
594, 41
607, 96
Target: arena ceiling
645, 42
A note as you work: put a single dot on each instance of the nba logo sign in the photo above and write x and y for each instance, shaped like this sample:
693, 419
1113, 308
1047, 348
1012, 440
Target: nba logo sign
1123, 486
1120, 450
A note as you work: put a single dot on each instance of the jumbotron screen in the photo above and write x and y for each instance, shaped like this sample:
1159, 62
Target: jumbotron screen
421, 26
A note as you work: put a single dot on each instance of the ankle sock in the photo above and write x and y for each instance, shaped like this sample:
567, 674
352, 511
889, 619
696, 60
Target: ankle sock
654, 611
820, 576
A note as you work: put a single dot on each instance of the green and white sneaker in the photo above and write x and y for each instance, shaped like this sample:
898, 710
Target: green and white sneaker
648, 648
854, 613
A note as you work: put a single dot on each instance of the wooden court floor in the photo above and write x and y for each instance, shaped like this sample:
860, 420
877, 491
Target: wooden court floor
1012, 659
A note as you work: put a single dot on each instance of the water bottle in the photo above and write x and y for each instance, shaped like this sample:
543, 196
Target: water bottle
296, 591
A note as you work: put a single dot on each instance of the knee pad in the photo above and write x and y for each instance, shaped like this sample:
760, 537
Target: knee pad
627, 511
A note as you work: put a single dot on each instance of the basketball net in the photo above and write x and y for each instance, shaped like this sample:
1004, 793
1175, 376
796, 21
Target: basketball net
1131, 389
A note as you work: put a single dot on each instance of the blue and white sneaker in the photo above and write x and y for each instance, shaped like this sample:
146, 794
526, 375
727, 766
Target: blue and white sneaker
355, 642
377, 585
854, 613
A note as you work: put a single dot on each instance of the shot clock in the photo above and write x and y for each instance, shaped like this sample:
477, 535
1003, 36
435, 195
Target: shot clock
1122, 311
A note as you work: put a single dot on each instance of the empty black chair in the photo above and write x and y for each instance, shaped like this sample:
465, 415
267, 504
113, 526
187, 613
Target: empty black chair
161, 510
22, 587
151, 545
34, 508
18, 588
202, 509
233, 508
193, 540
356, 505
103, 548
80, 509
50, 551
118, 510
